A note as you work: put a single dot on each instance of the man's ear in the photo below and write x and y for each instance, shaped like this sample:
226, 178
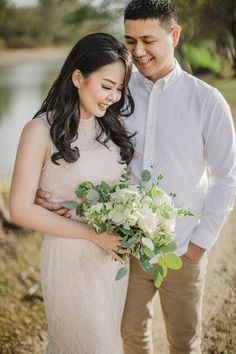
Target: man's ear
76, 78
176, 35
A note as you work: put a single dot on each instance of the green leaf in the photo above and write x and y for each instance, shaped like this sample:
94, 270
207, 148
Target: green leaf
80, 210
170, 247
161, 262
147, 267
149, 253
92, 196
184, 212
121, 273
158, 277
146, 175
173, 261
130, 242
69, 204
80, 193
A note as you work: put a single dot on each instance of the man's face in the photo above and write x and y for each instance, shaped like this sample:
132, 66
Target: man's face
151, 46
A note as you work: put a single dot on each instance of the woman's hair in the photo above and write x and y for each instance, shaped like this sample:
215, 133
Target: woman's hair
62, 102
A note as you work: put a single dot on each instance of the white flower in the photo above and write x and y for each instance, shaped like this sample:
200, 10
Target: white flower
162, 198
97, 207
146, 201
148, 222
117, 215
168, 224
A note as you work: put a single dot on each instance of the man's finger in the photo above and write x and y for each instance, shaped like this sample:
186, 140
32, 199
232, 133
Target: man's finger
43, 194
116, 257
50, 206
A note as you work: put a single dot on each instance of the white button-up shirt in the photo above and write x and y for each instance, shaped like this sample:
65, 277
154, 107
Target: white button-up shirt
184, 128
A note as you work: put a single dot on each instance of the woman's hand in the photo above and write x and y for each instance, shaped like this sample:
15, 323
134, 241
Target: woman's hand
111, 244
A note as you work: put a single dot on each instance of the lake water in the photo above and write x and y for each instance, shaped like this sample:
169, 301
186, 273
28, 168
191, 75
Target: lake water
23, 86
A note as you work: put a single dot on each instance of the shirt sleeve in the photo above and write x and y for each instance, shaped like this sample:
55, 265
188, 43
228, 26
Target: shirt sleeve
220, 157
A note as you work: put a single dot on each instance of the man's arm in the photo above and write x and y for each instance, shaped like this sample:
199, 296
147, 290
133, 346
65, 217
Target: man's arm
43, 199
220, 154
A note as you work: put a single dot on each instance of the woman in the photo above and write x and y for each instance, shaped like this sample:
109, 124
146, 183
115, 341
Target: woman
78, 135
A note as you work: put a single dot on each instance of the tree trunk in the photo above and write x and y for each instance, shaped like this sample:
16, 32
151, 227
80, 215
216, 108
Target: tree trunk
182, 51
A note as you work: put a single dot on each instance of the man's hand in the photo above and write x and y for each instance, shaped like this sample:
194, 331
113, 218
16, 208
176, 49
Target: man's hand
42, 199
194, 252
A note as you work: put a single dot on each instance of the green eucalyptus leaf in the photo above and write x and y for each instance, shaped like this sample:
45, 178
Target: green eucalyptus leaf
168, 248
121, 273
80, 210
147, 267
173, 261
69, 204
146, 175
161, 262
130, 242
92, 196
80, 193
149, 253
158, 277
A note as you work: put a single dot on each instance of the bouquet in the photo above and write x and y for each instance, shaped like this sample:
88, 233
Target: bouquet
144, 217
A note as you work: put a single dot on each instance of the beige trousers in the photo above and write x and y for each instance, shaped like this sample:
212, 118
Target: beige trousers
181, 296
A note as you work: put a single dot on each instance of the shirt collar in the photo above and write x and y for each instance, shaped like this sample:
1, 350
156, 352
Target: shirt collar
165, 81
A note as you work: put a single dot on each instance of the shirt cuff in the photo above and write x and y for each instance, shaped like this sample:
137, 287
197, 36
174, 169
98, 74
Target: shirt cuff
203, 240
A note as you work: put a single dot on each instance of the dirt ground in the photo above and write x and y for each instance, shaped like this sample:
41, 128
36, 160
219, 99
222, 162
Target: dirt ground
219, 311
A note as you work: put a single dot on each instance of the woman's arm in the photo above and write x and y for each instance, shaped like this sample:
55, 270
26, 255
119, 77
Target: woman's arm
31, 155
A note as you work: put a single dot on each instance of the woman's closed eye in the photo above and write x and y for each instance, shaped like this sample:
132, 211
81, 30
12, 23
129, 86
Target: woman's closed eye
110, 88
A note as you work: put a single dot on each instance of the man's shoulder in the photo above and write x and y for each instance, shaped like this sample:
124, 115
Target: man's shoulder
196, 82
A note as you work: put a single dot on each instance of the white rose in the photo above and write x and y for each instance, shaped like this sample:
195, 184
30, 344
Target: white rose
148, 223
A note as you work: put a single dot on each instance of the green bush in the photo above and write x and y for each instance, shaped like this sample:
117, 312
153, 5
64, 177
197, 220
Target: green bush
202, 59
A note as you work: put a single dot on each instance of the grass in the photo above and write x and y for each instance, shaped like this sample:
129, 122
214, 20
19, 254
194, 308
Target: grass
22, 319
227, 87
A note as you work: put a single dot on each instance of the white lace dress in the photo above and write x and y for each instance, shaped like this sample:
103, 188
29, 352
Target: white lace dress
84, 304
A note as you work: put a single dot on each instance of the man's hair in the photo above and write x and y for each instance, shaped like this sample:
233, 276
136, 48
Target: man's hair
162, 10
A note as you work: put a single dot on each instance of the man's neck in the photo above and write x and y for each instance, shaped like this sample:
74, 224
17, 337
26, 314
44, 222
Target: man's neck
163, 73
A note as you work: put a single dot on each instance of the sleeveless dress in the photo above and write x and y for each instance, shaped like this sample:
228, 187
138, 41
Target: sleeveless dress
83, 302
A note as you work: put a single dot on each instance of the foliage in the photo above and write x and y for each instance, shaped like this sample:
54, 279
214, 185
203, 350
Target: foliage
220, 17
203, 59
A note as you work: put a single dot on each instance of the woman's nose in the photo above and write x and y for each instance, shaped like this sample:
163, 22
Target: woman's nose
112, 96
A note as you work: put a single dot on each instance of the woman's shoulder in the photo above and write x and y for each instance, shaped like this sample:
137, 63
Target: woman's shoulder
38, 128
38, 123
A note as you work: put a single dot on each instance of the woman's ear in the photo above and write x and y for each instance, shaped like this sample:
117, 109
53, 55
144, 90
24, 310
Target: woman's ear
76, 78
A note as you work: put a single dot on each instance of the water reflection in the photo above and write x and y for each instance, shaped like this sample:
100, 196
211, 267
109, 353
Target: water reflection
22, 89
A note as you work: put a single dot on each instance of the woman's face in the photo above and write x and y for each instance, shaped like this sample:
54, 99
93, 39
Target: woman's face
100, 89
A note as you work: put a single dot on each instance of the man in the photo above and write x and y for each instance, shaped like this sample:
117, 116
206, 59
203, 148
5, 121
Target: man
184, 127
